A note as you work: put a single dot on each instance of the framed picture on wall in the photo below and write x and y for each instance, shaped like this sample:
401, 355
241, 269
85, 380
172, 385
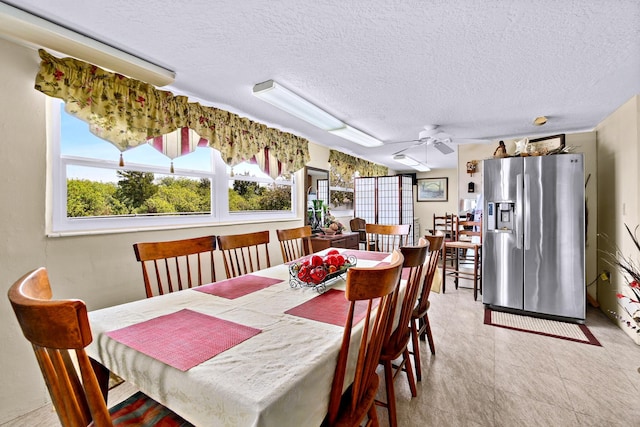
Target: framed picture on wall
549, 144
433, 189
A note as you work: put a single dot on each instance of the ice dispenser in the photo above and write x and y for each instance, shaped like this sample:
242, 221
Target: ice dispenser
501, 216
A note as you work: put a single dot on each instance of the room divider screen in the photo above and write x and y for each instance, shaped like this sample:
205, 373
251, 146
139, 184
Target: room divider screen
385, 200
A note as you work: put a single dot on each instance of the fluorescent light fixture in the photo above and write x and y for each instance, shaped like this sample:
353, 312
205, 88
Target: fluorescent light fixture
357, 136
281, 97
32, 31
410, 161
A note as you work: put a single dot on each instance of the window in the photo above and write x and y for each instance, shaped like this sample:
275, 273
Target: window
91, 191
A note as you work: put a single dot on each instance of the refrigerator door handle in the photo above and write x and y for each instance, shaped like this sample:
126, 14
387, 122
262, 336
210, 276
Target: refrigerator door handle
519, 187
527, 212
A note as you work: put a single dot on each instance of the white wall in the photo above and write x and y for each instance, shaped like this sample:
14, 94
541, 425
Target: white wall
618, 198
425, 210
24, 247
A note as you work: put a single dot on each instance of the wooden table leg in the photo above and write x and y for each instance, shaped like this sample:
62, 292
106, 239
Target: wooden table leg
102, 375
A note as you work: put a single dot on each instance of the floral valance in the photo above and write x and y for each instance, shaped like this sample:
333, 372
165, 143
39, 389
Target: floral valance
128, 112
344, 166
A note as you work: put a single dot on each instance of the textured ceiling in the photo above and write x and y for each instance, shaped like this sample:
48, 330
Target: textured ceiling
480, 69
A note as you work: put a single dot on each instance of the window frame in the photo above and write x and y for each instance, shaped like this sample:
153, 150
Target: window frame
58, 224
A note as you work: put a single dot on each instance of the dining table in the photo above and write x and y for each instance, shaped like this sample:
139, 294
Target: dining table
256, 350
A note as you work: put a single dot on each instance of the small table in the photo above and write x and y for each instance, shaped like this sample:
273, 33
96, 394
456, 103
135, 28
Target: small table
344, 240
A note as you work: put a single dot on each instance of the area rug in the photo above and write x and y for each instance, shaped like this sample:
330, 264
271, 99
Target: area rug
534, 325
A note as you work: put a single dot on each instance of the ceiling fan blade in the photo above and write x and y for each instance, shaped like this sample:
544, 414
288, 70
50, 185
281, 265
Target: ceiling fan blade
441, 135
442, 147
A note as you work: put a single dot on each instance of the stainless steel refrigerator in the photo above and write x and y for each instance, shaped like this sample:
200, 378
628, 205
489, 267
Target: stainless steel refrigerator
534, 235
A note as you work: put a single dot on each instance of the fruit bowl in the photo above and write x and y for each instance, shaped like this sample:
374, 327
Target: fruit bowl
316, 271
328, 231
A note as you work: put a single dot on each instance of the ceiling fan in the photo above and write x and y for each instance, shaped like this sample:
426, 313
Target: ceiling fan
432, 135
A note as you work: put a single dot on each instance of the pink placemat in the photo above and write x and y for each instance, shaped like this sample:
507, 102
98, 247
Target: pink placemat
330, 307
368, 255
238, 286
183, 339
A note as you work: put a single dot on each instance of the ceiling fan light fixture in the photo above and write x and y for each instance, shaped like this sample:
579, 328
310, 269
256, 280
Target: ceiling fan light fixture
539, 121
410, 161
281, 97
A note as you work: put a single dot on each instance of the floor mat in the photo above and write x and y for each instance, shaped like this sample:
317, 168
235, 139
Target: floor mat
534, 325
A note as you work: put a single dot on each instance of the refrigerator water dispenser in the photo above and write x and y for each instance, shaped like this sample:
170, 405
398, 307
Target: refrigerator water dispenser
501, 216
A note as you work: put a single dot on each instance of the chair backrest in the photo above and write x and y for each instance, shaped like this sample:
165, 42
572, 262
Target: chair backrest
55, 328
295, 242
446, 224
175, 265
358, 225
414, 260
365, 284
386, 238
435, 249
467, 230
245, 253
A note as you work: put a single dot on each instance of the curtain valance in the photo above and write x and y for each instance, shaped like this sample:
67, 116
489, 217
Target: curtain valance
128, 112
345, 166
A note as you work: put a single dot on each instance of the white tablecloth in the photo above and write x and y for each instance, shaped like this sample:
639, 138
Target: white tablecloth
280, 377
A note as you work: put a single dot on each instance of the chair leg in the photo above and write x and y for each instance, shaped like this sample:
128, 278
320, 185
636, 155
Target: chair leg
409, 370
373, 417
456, 260
480, 268
475, 275
391, 395
415, 342
432, 346
444, 269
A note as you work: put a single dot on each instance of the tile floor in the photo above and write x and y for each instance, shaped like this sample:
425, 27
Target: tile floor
484, 375
488, 376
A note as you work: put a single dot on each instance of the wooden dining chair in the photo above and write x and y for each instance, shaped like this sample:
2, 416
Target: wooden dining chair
364, 285
469, 234
295, 242
358, 225
175, 265
420, 326
445, 224
245, 253
396, 344
58, 329
386, 238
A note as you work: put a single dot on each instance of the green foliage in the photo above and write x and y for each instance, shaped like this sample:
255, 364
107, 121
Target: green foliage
140, 193
90, 198
239, 203
249, 196
172, 198
248, 189
134, 188
276, 199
